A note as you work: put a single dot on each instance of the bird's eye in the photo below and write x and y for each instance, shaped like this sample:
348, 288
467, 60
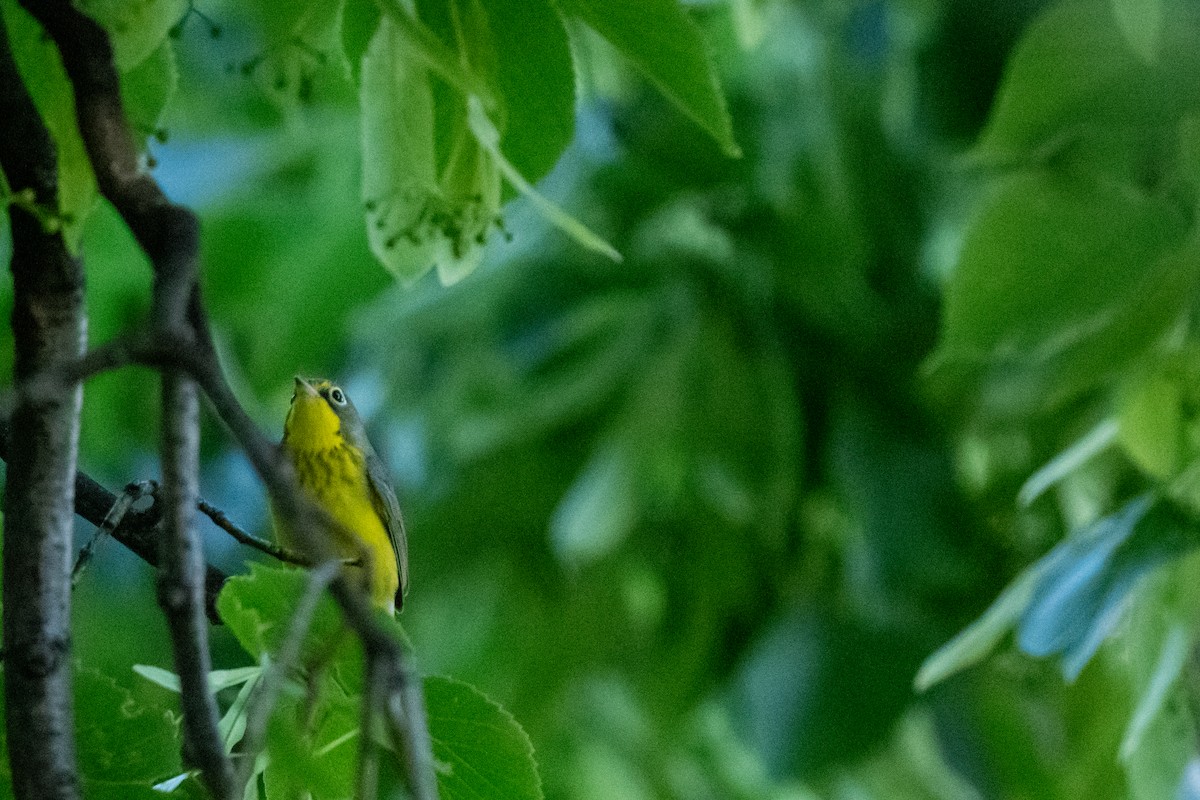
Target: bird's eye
335, 394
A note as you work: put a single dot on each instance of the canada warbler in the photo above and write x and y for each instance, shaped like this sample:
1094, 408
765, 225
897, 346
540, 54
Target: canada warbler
336, 466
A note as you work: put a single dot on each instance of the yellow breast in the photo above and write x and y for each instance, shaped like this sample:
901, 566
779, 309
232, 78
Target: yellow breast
337, 481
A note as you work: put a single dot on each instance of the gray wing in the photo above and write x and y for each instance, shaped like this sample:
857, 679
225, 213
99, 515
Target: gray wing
389, 510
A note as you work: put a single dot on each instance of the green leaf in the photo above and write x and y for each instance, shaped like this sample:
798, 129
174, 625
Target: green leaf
1173, 655
431, 180
137, 28
1069, 601
233, 722
41, 69
121, 741
1060, 283
320, 758
279, 22
665, 44
534, 84
158, 676
297, 34
1151, 424
1152, 651
185, 779
444, 60
257, 608
599, 510
980, 638
124, 746
1156, 768
518, 53
481, 751
301, 40
148, 79
146, 89
219, 679
1073, 72
232, 725
749, 22
1141, 23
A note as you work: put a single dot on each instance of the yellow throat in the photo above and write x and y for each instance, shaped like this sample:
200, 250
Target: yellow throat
311, 424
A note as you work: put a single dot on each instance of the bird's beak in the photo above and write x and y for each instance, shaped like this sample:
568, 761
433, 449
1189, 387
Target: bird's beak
305, 388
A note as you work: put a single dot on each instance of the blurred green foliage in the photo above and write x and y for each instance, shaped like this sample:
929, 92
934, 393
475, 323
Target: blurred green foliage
907, 392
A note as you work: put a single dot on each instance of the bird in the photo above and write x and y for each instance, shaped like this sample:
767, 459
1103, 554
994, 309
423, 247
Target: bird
337, 468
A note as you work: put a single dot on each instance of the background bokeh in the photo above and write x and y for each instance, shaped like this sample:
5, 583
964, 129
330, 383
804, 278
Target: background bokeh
695, 519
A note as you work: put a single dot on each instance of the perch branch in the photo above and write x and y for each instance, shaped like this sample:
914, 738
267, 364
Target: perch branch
222, 521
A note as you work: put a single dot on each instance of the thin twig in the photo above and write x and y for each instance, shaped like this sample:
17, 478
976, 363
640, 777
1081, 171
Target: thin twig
408, 728
222, 521
109, 356
374, 696
258, 713
112, 520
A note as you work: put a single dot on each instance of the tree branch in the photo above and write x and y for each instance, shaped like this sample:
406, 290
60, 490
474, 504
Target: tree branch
181, 585
48, 326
